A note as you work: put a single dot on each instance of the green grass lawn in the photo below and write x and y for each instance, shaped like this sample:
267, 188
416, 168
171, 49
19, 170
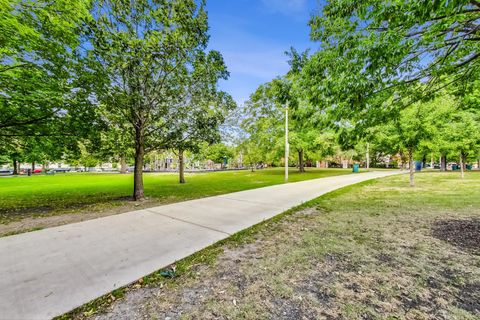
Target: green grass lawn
73, 192
375, 250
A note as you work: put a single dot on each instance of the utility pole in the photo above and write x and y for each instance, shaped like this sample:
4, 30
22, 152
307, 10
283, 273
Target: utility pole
287, 147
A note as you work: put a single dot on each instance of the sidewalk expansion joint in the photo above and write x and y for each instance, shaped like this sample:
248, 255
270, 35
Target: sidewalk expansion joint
252, 202
189, 222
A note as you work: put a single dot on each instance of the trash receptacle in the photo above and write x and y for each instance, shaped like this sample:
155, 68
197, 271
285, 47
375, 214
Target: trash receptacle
356, 168
418, 166
455, 167
29, 172
469, 167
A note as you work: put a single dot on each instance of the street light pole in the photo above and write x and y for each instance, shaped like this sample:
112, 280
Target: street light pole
286, 144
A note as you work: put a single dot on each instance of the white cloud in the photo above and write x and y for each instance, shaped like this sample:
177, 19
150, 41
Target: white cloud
286, 6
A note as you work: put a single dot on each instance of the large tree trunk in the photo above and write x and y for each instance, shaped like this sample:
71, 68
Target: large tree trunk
424, 161
301, 164
123, 164
138, 193
443, 163
181, 166
412, 169
33, 166
15, 167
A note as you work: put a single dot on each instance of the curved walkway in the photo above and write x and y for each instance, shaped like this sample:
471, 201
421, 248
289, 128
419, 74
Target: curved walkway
49, 272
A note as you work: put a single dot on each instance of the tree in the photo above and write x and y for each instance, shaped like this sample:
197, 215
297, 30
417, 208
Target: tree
306, 141
463, 133
146, 51
218, 152
439, 113
264, 121
116, 140
41, 94
45, 149
405, 133
263, 124
86, 158
374, 50
203, 110
250, 154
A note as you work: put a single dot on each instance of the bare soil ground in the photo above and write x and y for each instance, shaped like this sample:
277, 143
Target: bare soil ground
51, 218
376, 251
464, 234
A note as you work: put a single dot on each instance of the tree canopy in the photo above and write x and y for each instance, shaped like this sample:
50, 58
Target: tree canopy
41, 94
373, 50
150, 56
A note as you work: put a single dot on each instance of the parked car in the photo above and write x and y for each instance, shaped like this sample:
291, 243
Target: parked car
37, 171
62, 170
4, 172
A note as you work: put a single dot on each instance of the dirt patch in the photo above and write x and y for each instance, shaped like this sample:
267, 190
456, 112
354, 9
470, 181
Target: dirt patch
464, 234
469, 297
31, 224
54, 219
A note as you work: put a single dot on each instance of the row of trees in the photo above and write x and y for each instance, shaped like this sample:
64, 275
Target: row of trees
119, 79
400, 76
113, 77
411, 65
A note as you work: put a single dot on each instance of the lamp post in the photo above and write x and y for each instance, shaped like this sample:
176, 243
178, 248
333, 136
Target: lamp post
286, 143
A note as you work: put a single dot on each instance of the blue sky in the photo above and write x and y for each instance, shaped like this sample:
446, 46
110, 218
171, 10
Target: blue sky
253, 35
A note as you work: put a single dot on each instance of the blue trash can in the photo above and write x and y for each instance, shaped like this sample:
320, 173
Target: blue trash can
356, 168
418, 166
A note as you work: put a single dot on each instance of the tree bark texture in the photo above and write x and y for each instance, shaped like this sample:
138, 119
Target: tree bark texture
15, 167
138, 191
443, 163
301, 162
181, 166
123, 164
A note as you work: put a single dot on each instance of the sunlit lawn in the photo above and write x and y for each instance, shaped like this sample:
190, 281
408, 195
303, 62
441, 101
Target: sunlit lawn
40, 194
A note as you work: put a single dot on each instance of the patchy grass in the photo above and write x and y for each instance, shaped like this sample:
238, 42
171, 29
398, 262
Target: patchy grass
369, 251
42, 196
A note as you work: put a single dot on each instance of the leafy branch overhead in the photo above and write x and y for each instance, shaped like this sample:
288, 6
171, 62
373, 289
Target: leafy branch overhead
371, 50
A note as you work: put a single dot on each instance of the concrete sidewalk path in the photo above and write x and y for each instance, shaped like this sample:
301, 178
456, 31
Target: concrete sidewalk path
49, 272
